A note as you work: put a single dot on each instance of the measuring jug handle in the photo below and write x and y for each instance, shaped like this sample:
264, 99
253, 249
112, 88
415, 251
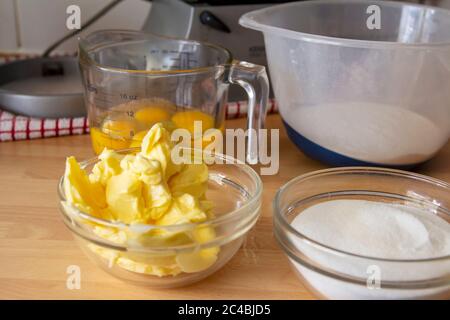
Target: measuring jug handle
253, 78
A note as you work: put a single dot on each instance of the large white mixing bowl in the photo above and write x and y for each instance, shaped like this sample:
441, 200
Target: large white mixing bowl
351, 93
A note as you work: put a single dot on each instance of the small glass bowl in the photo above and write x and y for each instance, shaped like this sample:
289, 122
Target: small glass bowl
233, 187
335, 274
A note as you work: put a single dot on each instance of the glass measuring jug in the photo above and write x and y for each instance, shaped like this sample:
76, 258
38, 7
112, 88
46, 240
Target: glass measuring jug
133, 80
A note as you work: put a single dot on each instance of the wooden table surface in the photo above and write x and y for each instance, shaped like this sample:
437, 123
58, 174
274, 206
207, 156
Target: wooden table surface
36, 248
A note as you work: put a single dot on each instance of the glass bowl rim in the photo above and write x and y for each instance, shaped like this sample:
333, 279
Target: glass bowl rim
279, 216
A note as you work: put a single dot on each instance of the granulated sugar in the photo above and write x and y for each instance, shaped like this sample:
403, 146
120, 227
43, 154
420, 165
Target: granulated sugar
369, 132
378, 230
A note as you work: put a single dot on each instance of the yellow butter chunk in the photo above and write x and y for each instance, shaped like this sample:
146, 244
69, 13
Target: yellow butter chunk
80, 191
197, 261
157, 201
146, 170
111, 234
204, 233
157, 145
153, 264
191, 179
108, 166
138, 137
184, 209
141, 189
148, 268
124, 197
207, 206
202, 259
161, 238
155, 192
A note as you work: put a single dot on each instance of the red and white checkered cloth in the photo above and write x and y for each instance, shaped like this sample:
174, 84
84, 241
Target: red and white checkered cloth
15, 127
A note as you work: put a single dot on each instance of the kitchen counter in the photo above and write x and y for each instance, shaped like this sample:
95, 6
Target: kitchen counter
36, 248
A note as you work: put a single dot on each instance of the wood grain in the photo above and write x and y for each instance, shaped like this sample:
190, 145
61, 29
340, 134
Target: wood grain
36, 248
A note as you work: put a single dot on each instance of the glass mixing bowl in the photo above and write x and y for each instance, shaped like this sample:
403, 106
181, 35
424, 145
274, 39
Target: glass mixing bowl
152, 255
336, 274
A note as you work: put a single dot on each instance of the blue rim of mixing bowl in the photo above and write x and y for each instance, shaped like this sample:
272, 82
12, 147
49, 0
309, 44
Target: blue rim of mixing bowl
278, 215
248, 21
333, 158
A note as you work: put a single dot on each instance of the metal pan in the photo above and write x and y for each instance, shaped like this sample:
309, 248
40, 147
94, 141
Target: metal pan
42, 87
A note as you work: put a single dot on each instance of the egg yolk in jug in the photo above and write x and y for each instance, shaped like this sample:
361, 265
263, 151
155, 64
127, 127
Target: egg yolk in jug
126, 125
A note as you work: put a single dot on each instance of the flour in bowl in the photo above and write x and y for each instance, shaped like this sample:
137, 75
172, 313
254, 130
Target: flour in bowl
369, 132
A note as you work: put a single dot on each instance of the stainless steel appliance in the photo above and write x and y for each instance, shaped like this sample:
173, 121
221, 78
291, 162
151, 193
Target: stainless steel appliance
214, 21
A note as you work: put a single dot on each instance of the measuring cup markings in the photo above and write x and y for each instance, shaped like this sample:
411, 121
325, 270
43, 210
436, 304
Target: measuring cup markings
184, 59
102, 97
99, 101
126, 96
